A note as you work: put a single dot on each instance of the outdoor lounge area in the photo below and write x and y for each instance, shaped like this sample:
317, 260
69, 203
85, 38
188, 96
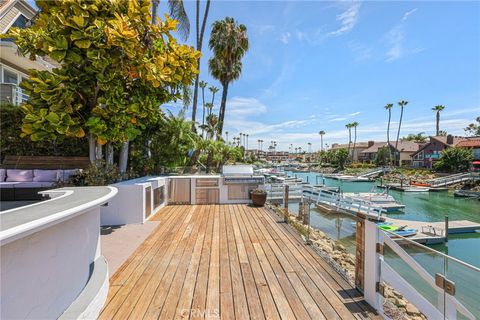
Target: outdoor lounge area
228, 261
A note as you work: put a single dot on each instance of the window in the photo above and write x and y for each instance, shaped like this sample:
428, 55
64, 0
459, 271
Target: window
20, 22
9, 77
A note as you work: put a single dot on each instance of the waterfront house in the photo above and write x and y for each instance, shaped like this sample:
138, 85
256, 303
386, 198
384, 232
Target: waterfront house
472, 143
356, 154
13, 65
428, 154
277, 156
404, 148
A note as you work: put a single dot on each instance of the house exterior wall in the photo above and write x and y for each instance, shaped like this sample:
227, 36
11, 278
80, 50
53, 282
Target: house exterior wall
8, 18
432, 153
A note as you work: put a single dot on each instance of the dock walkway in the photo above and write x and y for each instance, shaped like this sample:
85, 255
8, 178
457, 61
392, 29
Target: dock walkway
434, 232
228, 262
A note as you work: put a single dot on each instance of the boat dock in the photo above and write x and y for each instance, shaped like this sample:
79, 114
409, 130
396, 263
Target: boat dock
409, 188
434, 232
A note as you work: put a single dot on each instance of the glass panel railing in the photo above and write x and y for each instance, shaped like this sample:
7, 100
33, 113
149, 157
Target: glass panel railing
332, 235
449, 285
415, 267
464, 302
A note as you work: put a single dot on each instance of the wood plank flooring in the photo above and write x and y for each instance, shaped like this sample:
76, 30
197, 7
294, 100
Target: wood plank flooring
228, 262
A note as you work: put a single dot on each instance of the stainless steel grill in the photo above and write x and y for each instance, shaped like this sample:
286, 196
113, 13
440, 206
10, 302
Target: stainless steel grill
240, 174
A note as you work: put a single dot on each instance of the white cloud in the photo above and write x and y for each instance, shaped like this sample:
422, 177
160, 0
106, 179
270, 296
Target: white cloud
265, 28
348, 19
407, 14
337, 119
396, 39
361, 51
285, 37
240, 107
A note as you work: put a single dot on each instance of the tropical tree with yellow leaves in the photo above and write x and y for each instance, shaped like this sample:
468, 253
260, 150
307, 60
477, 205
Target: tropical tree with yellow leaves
115, 69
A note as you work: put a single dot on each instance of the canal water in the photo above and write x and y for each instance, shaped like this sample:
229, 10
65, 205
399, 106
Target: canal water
422, 206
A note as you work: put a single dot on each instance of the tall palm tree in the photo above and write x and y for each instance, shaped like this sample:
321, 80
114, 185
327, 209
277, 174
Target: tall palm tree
213, 90
437, 109
321, 133
229, 43
203, 85
199, 39
209, 107
247, 140
226, 133
349, 127
354, 125
389, 107
402, 105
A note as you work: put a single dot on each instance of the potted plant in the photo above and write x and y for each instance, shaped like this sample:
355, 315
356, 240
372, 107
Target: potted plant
259, 197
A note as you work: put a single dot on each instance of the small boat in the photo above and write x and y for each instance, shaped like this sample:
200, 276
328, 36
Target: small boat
416, 189
466, 194
420, 184
407, 232
401, 231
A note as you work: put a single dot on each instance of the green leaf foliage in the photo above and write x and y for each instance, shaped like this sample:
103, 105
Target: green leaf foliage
455, 160
115, 68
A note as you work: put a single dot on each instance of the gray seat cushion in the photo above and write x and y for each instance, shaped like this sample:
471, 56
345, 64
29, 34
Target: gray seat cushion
45, 175
15, 175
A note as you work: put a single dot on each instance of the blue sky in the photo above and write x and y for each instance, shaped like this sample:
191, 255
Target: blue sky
319, 65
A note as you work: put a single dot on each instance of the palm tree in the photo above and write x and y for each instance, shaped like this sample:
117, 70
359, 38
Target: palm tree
247, 140
349, 127
321, 133
438, 109
389, 107
354, 125
226, 133
402, 105
209, 107
199, 38
229, 43
309, 147
203, 85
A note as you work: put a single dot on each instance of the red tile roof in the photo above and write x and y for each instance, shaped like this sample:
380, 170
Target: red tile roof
469, 143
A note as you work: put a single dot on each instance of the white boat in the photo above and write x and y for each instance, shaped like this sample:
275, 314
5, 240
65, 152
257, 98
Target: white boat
383, 200
372, 197
352, 178
416, 189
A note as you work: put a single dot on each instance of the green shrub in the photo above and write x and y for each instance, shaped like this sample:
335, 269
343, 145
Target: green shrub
11, 144
97, 174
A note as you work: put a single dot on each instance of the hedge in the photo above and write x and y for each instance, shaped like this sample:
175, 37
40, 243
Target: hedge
11, 144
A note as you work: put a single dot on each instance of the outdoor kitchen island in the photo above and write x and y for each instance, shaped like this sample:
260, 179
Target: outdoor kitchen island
232, 186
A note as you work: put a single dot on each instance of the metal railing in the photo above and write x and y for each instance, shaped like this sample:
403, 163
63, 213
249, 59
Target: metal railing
12, 93
347, 204
452, 179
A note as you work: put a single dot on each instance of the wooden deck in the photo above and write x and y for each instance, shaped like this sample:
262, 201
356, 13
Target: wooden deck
228, 262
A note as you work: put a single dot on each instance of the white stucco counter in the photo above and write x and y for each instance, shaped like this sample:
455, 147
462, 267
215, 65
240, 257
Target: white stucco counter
51, 265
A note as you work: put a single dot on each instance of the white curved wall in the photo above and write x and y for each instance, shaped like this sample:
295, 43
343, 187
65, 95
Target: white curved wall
42, 273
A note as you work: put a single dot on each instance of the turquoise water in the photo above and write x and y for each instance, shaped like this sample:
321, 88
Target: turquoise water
425, 206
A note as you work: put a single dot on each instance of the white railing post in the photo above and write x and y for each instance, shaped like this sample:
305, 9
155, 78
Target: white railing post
372, 265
